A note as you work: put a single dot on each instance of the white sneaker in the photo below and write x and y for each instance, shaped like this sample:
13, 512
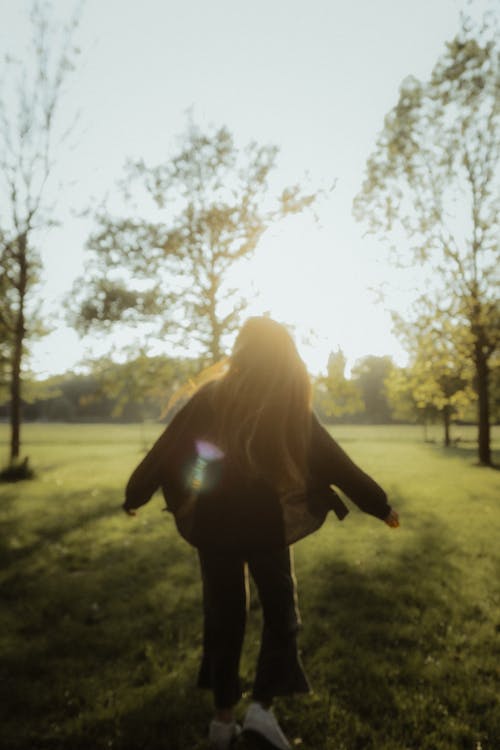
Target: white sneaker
221, 734
257, 719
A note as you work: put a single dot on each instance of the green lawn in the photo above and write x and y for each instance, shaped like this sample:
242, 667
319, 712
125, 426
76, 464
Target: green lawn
100, 623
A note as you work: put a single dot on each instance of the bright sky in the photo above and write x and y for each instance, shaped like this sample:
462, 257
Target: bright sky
315, 78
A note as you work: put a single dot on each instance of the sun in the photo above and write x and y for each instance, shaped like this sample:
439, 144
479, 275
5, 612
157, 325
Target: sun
310, 278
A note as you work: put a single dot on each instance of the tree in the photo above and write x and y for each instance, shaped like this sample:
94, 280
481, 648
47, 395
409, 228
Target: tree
213, 203
403, 401
439, 375
30, 98
440, 372
131, 391
334, 394
4, 339
434, 178
369, 374
140, 387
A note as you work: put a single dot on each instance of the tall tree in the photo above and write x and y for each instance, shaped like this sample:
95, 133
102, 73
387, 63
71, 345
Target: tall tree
404, 403
30, 98
439, 375
212, 202
142, 385
369, 374
334, 395
434, 178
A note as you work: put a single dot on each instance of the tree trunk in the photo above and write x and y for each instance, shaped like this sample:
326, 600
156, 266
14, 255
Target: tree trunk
482, 387
15, 402
215, 351
446, 424
426, 433
17, 354
215, 334
213, 320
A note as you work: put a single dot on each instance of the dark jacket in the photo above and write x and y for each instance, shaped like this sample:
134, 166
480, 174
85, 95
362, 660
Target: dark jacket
215, 505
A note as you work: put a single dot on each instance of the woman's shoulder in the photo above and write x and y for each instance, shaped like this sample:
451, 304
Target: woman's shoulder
322, 443
205, 394
201, 403
318, 430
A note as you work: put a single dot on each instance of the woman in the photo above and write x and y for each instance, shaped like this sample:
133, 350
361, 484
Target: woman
246, 469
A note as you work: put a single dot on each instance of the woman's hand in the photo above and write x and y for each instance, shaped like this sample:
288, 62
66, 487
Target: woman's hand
392, 519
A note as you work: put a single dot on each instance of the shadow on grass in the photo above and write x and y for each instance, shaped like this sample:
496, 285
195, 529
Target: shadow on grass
371, 627
81, 646
53, 531
106, 657
467, 451
387, 655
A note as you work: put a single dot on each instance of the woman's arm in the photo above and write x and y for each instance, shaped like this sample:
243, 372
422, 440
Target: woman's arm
145, 478
332, 465
162, 459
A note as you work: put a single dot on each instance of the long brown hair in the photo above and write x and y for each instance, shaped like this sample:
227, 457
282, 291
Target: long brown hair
263, 406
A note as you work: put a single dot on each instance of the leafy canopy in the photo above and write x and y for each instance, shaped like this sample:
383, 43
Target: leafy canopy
211, 202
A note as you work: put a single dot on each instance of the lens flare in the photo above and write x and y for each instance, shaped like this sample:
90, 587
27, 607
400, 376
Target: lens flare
202, 474
208, 451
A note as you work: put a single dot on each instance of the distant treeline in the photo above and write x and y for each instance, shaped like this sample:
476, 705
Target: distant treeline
79, 398
140, 390
109, 392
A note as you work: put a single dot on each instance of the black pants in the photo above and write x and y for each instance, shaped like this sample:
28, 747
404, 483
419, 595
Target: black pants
225, 602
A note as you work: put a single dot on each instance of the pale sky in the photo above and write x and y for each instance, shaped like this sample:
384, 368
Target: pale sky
315, 78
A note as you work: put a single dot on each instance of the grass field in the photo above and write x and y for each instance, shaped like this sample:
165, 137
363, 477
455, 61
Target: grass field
100, 626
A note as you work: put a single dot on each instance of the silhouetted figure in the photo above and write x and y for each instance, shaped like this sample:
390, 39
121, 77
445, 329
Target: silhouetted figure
246, 469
